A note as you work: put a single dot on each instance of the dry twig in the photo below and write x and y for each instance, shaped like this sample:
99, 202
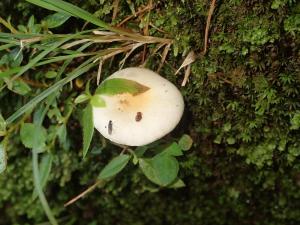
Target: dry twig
91, 188
210, 13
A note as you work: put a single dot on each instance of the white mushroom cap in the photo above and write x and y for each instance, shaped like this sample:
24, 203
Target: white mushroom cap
137, 120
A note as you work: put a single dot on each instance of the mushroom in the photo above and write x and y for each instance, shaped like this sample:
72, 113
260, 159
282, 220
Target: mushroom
137, 119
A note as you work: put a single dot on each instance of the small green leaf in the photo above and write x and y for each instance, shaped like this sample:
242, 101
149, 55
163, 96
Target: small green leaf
61, 133
115, 166
19, 87
88, 128
51, 74
33, 136
116, 86
185, 142
56, 20
3, 160
15, 57
2, 125
173, 149
161, 169
140, 150
81, 98
97, 101
30, 23
178, 183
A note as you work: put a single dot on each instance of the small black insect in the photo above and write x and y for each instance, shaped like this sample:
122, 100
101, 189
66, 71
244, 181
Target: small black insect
138, 117
110, 127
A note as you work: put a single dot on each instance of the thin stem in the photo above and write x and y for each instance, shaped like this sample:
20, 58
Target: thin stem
38, 187
91, 188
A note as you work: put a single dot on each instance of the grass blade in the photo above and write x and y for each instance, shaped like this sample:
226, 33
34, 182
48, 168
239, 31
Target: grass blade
42, 55
70, 9
74, 74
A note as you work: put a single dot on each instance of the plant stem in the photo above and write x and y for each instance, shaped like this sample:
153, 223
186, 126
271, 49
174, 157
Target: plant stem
38, 187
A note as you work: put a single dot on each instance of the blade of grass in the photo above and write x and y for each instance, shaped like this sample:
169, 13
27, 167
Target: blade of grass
52, 60
84, 67
8, 25
8, 41
42, 55
3, 47
70, 9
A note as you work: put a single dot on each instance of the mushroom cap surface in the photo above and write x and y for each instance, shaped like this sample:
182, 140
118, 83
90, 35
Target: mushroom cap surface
141, 119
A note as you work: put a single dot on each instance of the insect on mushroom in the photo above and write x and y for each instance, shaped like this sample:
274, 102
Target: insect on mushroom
110, 127
138, 117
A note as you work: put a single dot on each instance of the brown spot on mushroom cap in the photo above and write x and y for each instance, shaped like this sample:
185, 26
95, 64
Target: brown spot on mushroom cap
132, 103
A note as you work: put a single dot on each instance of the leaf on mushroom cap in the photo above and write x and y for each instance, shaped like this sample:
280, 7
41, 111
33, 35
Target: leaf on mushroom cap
116, 86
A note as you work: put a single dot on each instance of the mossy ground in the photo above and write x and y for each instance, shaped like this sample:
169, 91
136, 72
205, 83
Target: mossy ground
242, 110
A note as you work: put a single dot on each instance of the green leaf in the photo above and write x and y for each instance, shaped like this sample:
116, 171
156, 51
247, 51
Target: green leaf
161, 169
3, 160
97, 101
56, 20
33, 136
2, 125
173, 149
115, 166
15, 57
185, 142
45, 169
19, 87
178, 183
30, 23
81, 98
116, 86
140, 150
88, 128
61, 133
51, 74
69, 9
